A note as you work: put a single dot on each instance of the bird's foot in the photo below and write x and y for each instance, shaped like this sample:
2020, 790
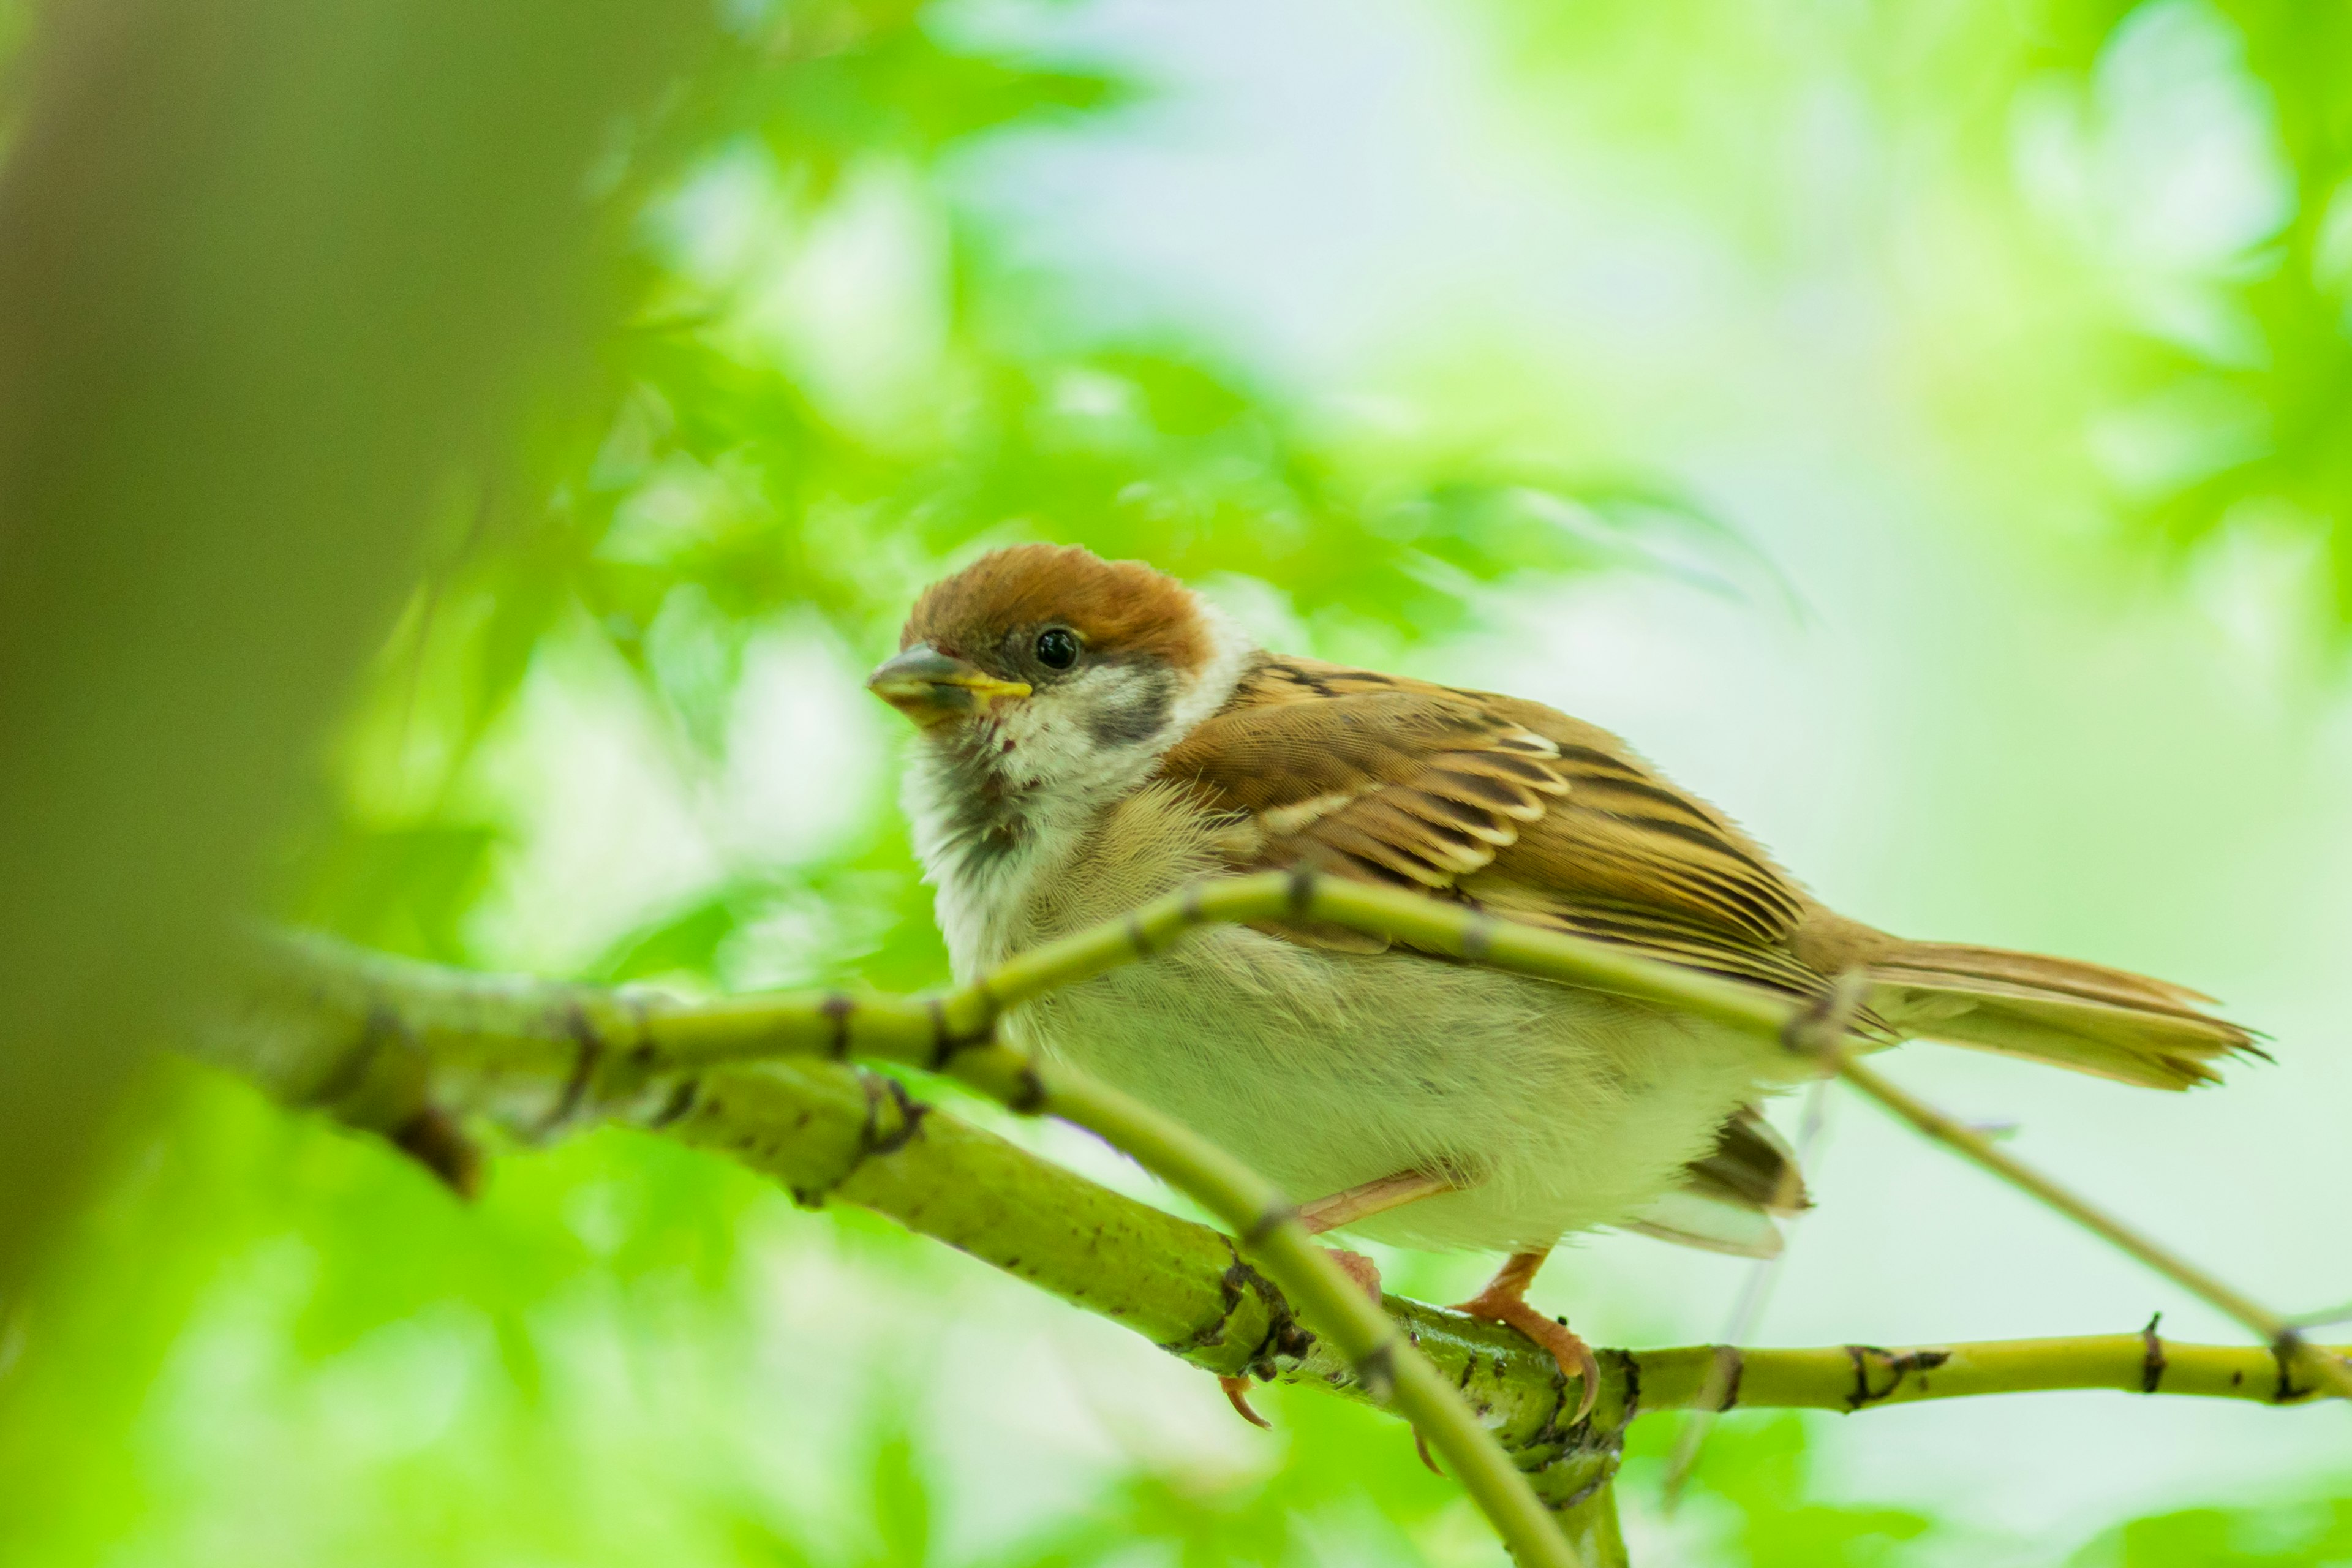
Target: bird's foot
1361, 1269
1498, 1303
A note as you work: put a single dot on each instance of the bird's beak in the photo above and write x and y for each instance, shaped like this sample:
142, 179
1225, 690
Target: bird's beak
930, 688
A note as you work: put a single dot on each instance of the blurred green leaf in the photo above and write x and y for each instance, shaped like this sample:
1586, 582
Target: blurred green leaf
2290, 1535
1758, 1465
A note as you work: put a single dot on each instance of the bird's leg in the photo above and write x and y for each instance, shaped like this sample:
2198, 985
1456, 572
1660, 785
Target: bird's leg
1504, 1300
1343, 1208
1346, 1207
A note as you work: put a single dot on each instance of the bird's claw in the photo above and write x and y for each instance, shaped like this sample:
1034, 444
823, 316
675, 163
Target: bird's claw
1567, 1348
1237, 1394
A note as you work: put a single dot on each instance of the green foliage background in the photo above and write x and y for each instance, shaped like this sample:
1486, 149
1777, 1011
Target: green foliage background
268, 1344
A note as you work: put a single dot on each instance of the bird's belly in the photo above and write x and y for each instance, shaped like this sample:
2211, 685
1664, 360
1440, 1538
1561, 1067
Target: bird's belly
1556, 1109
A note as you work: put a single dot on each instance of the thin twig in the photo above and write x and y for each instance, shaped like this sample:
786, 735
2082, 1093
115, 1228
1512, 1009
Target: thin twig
1862, 1377
2286, 1342
2324, 1318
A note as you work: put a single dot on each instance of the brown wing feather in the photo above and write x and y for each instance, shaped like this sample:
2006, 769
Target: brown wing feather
1495, 800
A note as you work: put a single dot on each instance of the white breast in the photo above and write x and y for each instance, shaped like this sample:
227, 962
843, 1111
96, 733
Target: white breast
1557, 1110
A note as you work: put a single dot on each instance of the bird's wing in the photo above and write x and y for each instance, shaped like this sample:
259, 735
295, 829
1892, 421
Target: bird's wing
1495, 802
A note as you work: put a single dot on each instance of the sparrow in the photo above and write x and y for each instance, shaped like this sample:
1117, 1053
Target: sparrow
1092, 734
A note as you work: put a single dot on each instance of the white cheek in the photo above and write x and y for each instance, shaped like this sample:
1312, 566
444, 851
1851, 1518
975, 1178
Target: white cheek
1046, 743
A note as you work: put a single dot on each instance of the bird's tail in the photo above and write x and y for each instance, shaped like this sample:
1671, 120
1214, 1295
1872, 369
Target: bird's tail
2081, 1015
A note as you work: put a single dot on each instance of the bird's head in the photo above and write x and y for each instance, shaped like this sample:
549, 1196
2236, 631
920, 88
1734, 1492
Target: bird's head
1043, 669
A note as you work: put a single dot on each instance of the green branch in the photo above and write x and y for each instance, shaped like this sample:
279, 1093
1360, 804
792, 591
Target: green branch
402, 1047
393, 1047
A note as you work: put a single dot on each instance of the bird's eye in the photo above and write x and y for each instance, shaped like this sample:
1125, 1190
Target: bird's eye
1058, 647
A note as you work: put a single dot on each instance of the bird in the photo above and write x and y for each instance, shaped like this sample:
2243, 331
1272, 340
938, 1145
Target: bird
1092, 734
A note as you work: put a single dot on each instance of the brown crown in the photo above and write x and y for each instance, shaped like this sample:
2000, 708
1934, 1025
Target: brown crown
1116, 607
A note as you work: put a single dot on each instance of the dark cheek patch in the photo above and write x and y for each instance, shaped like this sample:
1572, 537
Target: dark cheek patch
1141, 709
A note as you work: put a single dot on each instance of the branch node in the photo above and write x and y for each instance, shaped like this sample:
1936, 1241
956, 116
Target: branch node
912, 1112
1269, 1220
1029, 1095
835, 1008
2151, 1365
1231, 1285
681, 1100
1478, 937
2285, 1350
946, 1044
1730, 1366
1818, 1029
873, 1140
1898, 1366
943, 1040
1283, 1339
432, 1139
1137, 937
350, 1070
583, 1070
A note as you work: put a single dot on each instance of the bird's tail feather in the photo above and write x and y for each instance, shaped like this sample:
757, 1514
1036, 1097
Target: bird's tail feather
1729, 1199
2083, 1015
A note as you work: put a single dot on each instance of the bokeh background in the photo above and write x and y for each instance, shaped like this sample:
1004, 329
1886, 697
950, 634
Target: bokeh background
1924, 430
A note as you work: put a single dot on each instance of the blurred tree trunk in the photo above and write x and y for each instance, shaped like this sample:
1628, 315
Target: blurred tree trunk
269, 271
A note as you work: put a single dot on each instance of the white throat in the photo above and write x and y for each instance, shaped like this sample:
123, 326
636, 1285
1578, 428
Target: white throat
1000, 807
